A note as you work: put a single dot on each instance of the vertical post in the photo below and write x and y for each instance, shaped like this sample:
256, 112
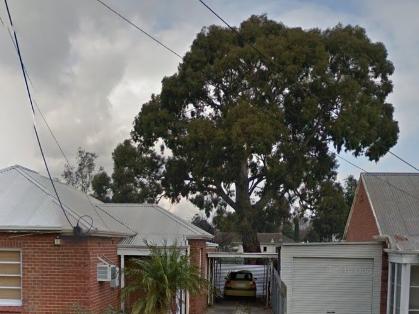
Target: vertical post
389, 274
188, 253
122, 280
405, 288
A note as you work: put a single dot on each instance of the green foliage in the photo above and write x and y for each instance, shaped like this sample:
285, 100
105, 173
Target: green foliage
331, 210
101, 185
241, 130
81, 175
160, 276
135, 175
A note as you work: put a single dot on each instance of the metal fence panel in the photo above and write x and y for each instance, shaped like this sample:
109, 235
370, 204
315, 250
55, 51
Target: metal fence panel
278, 294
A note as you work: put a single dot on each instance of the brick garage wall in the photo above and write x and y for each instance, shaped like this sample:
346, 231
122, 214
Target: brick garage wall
363, 227
56, 279
384, 284
198, 257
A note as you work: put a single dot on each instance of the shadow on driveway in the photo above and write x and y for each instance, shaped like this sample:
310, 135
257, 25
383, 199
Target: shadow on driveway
238, 306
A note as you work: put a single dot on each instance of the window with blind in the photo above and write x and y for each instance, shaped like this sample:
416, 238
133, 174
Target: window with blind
10, 277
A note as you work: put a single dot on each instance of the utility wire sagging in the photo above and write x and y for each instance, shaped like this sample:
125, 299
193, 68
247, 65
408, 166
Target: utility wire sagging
33, 113
139, 28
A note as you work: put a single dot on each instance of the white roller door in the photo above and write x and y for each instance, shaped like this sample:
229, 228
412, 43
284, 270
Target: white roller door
332, 285
332, 278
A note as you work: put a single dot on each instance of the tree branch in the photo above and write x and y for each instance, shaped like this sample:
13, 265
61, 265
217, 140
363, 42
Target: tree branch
255, 184
226, 197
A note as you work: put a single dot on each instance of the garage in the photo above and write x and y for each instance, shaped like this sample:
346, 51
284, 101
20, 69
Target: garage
332, 278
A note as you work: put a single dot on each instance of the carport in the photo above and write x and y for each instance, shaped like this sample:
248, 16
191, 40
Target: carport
221, 263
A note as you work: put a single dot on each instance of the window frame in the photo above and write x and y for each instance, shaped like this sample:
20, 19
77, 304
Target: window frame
13, 302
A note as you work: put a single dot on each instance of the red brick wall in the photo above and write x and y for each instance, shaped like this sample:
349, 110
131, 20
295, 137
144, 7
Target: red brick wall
362, 225
56, 279
384, 284
198, 253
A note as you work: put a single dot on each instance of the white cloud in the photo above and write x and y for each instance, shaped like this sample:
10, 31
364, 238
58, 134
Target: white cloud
92, 72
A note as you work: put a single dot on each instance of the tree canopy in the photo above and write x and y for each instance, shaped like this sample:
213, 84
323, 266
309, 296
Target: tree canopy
81, 175
236, 128
331, 209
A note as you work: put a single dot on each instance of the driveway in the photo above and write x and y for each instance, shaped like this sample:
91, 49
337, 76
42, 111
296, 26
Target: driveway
238, 307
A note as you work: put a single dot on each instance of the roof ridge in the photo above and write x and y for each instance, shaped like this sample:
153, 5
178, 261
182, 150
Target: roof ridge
45, 190
191, 226
389, 173
114, 218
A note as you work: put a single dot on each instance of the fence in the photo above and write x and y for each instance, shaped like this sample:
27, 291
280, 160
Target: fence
278, 294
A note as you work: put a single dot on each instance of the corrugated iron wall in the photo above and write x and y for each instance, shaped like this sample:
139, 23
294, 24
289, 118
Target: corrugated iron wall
259, 272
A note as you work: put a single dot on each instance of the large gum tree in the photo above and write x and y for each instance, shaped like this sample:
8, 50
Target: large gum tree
246, 130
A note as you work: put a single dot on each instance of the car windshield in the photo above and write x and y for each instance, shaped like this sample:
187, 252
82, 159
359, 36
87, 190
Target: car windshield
241, 276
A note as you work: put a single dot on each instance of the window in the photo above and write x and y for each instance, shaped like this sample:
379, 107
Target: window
10, 277
265, 249
414, 289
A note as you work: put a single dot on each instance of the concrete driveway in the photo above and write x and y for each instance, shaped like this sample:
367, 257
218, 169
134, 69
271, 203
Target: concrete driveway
238, 307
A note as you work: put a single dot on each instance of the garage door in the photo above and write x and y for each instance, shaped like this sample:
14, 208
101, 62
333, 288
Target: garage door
332, 285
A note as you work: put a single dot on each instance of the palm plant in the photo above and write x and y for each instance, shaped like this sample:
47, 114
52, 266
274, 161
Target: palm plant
160, 277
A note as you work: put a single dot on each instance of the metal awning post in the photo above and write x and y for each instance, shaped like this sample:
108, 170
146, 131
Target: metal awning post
122, 271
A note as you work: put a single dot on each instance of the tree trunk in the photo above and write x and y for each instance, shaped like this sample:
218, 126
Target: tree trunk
248, 232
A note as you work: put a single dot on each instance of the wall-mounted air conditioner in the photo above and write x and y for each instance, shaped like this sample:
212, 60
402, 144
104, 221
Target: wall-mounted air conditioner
103, 272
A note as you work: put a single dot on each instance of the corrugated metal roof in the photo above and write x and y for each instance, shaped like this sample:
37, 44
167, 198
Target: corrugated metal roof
263, 237
28, 202
154, 224
395, 201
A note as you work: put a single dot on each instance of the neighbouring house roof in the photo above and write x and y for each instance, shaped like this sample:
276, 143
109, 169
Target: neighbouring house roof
394, 198
153, 224
263, 238
28, 203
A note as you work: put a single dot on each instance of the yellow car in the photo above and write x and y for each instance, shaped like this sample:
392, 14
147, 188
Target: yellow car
240, 284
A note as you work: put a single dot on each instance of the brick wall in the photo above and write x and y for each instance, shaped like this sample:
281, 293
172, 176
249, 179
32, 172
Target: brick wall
384, 284
363, 227
198, 257
57, 279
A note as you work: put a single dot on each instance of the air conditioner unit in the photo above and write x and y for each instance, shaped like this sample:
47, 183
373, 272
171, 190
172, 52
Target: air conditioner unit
114, 276
103, 272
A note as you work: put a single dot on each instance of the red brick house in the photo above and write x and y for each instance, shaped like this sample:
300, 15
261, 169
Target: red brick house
46, 268
386, 207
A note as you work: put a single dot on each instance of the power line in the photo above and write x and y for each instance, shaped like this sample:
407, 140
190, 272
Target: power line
33, 113
379, 178
52, 133
234, 30
403, 160
351, 163
138, 28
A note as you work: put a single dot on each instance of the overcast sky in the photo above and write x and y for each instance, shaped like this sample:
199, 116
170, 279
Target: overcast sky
91, 71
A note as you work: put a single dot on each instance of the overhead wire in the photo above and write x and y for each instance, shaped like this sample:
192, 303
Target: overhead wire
403, 160
33, 114
234, 30
380, 178
107, 6
267, 58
